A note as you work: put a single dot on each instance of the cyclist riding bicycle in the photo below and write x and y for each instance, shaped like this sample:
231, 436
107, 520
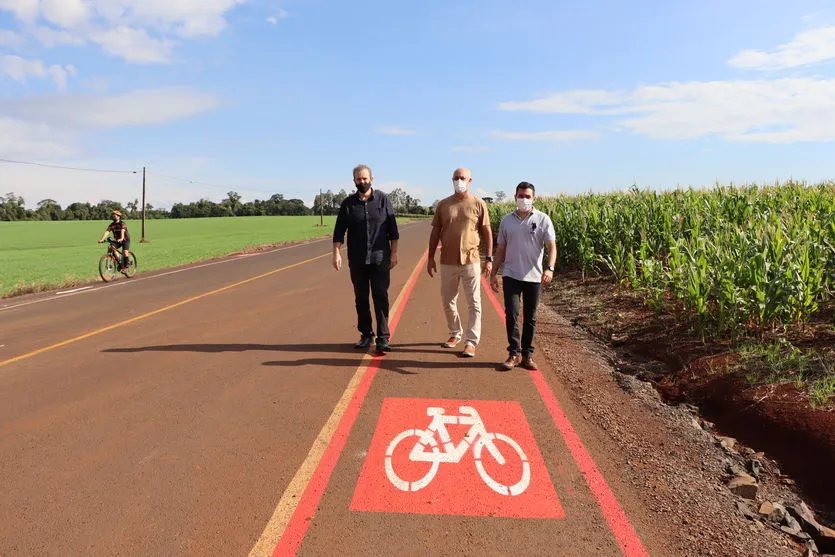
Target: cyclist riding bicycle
120, 235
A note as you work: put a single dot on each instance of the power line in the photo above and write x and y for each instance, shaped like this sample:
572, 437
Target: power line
198, 182
211, 185
70, 167
113, 171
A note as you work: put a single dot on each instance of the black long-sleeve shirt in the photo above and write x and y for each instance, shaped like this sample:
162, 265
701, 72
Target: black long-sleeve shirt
370, 224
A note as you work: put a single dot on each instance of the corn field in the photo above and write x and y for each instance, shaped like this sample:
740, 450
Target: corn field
729, 259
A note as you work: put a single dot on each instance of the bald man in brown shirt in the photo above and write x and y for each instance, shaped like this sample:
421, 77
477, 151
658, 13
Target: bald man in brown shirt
460, 224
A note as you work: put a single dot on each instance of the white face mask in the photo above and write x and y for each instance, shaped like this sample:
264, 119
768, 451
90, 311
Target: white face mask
460, 186
523, 204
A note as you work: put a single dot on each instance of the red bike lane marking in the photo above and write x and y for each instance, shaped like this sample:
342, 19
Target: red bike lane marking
614, 515
616, 518
296, 529
455, 470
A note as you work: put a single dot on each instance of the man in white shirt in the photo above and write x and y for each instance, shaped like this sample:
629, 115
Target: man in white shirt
523, 235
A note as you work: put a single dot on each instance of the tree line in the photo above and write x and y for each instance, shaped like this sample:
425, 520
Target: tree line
13, 207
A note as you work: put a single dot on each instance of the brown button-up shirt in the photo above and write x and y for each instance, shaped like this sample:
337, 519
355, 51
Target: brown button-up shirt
460, 222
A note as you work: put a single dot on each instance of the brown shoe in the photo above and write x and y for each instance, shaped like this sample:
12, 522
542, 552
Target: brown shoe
469, 351
512, 361
528, 363
452, 342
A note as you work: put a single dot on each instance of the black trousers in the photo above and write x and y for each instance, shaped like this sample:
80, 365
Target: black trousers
516, 293
376, 278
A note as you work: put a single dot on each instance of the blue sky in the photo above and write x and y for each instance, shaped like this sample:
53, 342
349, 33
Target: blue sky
266, 97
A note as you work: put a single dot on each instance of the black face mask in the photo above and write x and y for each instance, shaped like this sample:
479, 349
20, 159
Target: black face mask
363, 188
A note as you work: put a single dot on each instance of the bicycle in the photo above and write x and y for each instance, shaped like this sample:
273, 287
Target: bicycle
426, 449
110, 263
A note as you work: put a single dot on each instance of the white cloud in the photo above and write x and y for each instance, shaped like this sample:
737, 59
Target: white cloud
768, 111
579, 101
808, 47
208, 25
96, 84
771, 111
469, 149
66, 13
11, 39
142, 31
134, 45
23, 139
280, 14
26, 10
392, 130
85, 112
59, 75
50, 127
19, 69
204, 15
556, 135
51, 38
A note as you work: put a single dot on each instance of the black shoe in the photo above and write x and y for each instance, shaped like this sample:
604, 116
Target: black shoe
383, 346
364, 342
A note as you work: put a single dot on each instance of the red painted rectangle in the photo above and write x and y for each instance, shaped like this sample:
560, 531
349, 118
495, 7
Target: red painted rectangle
410, 469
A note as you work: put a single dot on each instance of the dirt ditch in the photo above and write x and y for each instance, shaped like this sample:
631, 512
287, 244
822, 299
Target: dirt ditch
774, 419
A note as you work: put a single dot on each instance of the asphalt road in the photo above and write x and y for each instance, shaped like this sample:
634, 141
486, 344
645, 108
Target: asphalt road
221, 409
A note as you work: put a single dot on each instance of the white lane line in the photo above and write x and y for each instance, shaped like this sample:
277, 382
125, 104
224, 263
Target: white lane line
73, 291
140, 279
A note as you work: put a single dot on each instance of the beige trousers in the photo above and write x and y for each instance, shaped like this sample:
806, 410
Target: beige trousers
468, 278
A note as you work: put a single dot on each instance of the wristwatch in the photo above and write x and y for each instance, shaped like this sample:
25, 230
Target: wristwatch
549, 268
489, 258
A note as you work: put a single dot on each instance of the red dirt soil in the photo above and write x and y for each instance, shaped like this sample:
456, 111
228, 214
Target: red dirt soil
775, 419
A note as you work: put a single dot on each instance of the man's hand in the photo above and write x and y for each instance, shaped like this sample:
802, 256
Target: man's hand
547, 277
337, 261
393, 260
101, 241
494, 283
431, 268
488, 268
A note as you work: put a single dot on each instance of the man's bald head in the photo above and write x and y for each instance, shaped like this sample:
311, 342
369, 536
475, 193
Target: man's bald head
462, 174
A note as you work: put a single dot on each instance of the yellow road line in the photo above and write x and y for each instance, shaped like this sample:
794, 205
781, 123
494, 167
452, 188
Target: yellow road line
155, 312
293, 494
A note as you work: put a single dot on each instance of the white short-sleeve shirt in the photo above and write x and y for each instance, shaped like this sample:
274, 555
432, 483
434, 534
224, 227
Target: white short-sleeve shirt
524, 241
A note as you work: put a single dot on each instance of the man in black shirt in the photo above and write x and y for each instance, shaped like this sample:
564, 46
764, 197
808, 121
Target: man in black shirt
368, 218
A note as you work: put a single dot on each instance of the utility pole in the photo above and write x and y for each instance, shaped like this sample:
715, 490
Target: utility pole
142, 240
321, 209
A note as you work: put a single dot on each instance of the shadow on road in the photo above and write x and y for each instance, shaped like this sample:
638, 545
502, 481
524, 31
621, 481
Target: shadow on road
387, 363
315, 348
218, 348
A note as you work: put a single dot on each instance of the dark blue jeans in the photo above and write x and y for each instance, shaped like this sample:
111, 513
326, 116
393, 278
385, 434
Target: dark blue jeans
376, 278
520, 293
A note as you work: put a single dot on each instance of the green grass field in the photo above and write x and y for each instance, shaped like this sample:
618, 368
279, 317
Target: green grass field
37, 256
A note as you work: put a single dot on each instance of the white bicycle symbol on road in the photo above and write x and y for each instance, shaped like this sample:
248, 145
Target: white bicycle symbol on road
426, 449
